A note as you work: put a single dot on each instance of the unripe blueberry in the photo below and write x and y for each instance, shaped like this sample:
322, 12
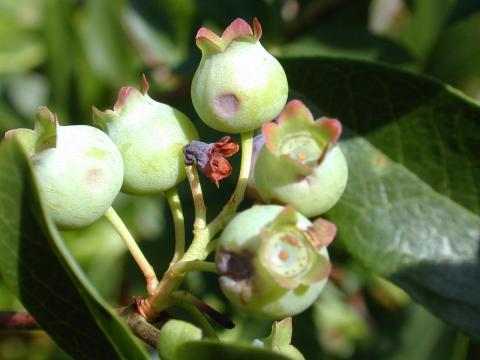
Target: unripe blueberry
173, 335
273, 261
150, 136
300, 163
238, 85
79, 169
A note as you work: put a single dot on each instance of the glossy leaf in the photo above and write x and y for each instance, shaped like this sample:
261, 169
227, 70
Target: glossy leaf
411, 207
37, 267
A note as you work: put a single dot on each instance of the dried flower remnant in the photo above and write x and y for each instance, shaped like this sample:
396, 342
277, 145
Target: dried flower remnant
211, 159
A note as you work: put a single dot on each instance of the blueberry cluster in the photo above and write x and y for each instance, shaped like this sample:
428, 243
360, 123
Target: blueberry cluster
272, 260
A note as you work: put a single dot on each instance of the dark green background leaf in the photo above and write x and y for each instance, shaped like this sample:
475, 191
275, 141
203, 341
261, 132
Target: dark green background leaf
411, 205
209, 349
455, 58
36, 266
424, 25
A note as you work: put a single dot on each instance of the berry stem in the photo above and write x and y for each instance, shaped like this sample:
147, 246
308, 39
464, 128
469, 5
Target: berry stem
212, 246
196, 188
179, 222
230, 208
183, 267
142, 262
160, 298
183, 296
179, 298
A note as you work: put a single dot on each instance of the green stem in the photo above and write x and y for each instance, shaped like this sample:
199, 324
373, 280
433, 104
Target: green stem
179, 222
237, 197
159, 300
196, 188
142, 262
201, 320
178, 297
183, 267
212, 246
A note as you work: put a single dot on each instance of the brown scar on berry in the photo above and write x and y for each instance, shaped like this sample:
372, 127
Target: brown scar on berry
283, 255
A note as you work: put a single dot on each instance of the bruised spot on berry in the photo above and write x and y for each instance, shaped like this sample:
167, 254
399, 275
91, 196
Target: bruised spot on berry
237, 266
210, 159
226, 105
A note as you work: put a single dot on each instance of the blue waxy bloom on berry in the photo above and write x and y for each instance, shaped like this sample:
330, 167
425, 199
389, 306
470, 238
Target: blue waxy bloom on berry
300, 163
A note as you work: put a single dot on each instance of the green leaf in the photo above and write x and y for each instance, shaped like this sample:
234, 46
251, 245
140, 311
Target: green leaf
348, 42
61, 45
455, 58
424, 25
463, 8
20, 50
162, 31
211, 349
437, 342
411, 208
36, 266
106, 45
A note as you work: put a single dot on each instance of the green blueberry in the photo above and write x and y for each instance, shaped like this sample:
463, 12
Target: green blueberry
78, 168
150, 136
173, 335
238, 85
273, 261
299, 163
